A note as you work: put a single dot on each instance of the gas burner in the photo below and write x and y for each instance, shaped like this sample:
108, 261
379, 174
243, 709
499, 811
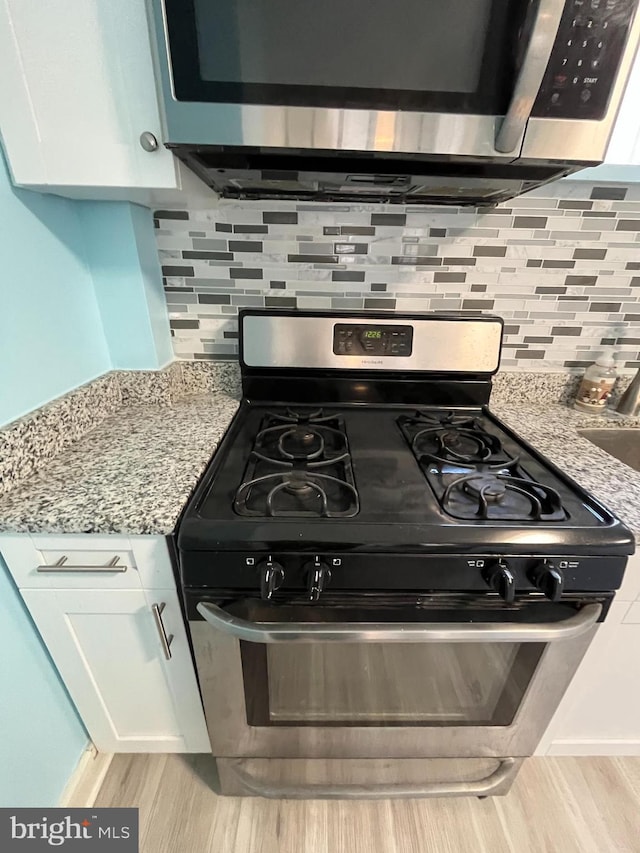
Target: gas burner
304, 416
447, 437
301, 442
490, 495
299, 465
442, 419
472, 475
311, 446
297, 494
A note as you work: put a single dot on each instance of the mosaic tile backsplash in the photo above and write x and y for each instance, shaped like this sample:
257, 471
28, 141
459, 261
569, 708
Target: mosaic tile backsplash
560, 265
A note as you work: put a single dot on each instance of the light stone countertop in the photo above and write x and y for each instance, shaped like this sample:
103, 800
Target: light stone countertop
134, 472
552, 429
131, 474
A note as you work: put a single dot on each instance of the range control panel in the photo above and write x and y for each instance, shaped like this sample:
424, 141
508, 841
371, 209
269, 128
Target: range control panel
585, 59
369, 339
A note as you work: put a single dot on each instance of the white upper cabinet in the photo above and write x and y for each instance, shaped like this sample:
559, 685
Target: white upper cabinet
77, 91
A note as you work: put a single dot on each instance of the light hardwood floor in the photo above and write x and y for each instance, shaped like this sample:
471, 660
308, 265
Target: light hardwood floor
557, 805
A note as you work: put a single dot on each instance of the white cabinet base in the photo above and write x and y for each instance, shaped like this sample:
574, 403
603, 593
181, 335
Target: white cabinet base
101, 631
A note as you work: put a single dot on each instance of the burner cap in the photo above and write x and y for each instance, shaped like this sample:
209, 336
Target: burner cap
301, 442
487, 486
297, 483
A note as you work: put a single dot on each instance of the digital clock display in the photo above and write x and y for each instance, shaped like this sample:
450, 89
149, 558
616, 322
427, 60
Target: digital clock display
364, 341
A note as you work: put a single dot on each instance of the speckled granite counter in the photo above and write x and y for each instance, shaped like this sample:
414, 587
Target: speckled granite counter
131, 474
552, 429
132, 469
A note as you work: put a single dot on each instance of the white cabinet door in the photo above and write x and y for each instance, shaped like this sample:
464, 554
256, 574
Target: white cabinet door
108, 649
600, 712
77, 91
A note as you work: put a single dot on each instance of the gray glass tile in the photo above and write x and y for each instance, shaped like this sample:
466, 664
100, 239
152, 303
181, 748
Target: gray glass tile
590, 254
613, 193
280, 302
216, 245
388, 219
279, 217
490, 251
250, 229
351, 248
604, 306
347, 275
244, 272
379, 303
480, 304
214, 298
312, 259
451, 277
575, 204
530, 222
177, 271
415, 261
245, 246
207, 256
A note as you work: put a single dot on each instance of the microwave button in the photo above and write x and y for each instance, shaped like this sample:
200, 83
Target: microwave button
595, 64
559, 81
555, 98
585, 95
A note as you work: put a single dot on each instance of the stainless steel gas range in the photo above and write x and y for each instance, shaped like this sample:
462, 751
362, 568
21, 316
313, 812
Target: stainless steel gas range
388, 591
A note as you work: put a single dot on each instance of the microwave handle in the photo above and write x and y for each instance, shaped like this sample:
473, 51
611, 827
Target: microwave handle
543, 36
410, 632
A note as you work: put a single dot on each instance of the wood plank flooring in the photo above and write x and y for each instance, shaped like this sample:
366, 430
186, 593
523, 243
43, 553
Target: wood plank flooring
557, 805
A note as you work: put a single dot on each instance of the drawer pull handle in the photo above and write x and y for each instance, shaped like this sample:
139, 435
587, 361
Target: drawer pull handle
61, 565
164, 640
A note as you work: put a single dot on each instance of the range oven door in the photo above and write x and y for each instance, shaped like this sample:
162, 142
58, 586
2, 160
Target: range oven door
367, 680
415, 76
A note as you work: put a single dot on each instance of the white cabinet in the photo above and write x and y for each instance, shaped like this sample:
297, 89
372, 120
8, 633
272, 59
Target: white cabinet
116, 633
600, 712
77, 91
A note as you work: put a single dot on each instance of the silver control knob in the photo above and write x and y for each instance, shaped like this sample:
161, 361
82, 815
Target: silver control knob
271, 578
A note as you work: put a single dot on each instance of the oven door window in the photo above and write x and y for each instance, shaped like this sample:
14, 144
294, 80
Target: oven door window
378, 684
425, 55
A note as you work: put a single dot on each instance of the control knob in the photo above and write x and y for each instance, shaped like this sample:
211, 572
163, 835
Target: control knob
548, 579
271, 578
500, 577
319, 575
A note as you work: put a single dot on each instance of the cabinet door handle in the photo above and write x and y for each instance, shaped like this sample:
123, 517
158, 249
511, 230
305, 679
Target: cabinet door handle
164, 640
61, 565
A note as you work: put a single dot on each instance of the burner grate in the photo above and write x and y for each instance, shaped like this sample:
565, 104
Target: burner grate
300, 466
472, 475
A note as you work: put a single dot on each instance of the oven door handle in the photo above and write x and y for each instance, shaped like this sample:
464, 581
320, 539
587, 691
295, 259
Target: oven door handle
525, 91
393, 632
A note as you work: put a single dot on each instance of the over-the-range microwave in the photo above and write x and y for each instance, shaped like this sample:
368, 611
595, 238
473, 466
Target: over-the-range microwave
445, 101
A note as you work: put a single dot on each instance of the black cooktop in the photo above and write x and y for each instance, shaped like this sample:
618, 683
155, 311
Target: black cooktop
388, 478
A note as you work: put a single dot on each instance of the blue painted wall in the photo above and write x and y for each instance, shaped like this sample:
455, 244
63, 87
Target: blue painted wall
51, 335
123, 259
80, 293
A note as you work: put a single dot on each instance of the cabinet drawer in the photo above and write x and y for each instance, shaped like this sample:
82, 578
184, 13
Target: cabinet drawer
71, 562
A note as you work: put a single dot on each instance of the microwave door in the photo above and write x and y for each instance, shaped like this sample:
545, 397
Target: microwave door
425, 77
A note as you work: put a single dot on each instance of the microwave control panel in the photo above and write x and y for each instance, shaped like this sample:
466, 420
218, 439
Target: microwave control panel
585, 59
372, 340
